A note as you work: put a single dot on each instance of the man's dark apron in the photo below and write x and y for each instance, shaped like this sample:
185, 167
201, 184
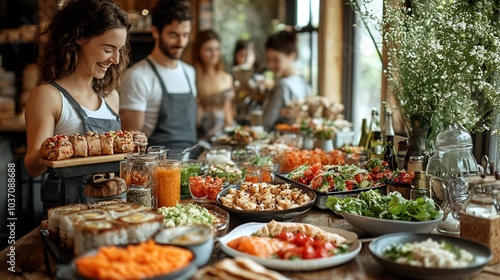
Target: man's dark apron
52, 192
176, 125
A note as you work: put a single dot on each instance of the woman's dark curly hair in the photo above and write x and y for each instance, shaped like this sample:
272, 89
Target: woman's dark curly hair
284, 41
167, 11
82, 19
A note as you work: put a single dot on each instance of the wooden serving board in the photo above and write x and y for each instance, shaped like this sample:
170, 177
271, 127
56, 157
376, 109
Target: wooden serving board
76, 161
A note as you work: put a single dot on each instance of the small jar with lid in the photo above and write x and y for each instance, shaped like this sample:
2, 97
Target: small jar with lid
420, 186
416, 163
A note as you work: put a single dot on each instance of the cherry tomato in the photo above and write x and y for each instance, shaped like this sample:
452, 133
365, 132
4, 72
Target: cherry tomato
349, 185
359, 178
302, 240
308, 252
286, 236
321, 253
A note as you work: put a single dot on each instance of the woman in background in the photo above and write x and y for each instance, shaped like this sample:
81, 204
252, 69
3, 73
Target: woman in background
251, 86
281, 53
85, 51
214, 85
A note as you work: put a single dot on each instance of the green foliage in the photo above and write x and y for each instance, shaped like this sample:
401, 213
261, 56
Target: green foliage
443, 59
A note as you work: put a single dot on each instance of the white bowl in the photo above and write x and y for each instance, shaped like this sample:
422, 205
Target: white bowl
375, 226
197, 238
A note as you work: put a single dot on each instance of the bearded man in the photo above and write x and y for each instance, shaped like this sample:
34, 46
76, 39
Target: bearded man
158, 93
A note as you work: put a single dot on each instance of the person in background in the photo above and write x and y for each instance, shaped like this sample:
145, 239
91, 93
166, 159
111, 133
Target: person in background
244, 56
250, 85
281, 53
214, 85
158, 93
85, 51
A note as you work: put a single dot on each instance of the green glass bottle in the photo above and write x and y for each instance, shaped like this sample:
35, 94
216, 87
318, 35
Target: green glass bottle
390, 153
364, 134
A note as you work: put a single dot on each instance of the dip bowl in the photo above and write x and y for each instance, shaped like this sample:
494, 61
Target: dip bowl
197, 238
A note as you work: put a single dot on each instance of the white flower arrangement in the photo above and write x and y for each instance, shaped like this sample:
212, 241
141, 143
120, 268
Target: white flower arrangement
443, 60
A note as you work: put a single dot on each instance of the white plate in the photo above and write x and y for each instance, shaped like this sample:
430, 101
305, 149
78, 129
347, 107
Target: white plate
291, 265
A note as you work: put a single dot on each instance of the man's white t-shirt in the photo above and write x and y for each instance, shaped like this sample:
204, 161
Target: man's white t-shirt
140, 89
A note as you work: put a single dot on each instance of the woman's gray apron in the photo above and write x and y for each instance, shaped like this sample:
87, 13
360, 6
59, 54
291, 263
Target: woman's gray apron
53, 190
176, 125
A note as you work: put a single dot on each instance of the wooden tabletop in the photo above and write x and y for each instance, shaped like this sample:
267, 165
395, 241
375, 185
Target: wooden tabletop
30, 262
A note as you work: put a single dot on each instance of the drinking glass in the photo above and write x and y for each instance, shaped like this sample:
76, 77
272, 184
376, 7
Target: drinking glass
168, 189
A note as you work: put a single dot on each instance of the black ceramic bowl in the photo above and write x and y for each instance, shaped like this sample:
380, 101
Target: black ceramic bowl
482, 255
268, 215
322, 196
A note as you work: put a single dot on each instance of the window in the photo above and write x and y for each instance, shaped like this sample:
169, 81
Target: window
367, 76
307, 23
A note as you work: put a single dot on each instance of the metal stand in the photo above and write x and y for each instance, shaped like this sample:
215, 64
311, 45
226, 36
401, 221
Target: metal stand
75, 178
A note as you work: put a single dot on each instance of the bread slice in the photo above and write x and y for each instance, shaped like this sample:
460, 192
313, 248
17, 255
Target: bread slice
124, 142
80, 145
57, 147
93, 143
107, 142
274, 228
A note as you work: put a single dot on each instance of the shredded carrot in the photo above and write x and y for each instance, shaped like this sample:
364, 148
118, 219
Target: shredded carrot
145, 260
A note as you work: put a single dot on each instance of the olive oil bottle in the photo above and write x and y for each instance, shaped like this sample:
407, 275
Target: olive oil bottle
375, 143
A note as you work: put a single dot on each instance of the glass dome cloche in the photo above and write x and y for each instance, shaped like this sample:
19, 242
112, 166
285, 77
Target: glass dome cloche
453, 155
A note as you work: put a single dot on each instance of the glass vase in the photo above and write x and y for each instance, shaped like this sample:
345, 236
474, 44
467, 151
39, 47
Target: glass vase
417, 139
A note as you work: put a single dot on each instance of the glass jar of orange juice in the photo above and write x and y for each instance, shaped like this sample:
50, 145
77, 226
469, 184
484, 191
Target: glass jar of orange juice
168, 189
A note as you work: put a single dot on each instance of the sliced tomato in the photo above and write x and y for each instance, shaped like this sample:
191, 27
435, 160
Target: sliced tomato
212, 193
198, 192
286, 236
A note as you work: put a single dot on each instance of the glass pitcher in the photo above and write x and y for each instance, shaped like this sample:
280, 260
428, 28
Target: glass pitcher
453, 162
483, 197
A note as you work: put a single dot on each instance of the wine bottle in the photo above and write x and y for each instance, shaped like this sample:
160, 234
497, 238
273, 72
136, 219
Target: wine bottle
372, 133
390, 153
364, 134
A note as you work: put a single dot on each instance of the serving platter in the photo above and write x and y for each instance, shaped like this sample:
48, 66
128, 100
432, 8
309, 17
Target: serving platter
76, 161
292, 265
376, 226
267, 215
482, 255
322, 196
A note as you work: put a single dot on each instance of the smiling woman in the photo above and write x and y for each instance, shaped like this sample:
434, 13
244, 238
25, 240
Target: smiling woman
85, 50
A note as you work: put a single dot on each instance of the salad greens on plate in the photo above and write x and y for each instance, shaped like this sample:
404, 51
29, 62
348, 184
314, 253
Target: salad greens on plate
390, 207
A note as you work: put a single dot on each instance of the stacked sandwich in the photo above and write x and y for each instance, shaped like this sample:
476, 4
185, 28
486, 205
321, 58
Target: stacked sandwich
60, 147
82, 228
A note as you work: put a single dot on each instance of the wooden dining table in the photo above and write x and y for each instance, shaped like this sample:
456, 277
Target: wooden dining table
31, 263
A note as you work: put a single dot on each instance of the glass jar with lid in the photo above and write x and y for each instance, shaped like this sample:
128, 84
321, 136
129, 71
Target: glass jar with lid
453, 162
141, 179
482, 200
